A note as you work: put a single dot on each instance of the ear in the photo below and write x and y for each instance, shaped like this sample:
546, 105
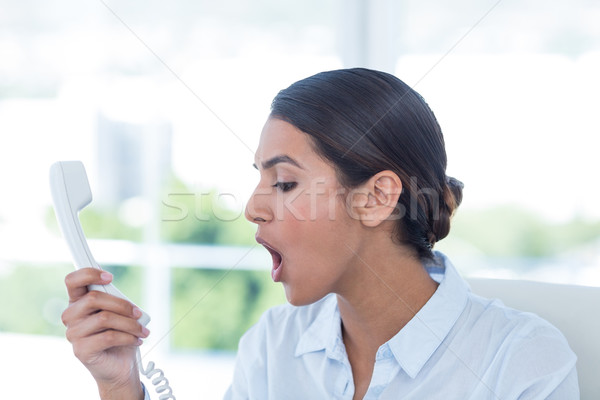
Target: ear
375, 200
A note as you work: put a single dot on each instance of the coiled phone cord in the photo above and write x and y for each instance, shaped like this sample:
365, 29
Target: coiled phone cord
160, 382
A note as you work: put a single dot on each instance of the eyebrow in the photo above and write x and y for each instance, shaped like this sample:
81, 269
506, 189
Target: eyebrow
277, 160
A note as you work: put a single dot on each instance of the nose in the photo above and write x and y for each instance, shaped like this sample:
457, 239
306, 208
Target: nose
258, 209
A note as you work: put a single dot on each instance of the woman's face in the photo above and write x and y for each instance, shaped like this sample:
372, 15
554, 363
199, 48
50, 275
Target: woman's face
300, 209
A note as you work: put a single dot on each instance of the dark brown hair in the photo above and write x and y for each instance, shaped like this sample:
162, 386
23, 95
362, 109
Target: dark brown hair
365, 121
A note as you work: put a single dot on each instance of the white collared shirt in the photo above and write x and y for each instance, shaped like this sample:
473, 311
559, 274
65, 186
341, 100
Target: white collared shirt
458, 346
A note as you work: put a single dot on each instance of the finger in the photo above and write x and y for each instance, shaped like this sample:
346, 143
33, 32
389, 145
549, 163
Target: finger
78, 281
88, 349
94, 301
103, 321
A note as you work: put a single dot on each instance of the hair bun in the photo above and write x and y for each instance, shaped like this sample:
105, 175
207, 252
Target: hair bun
450, 181
456, 187
451, 198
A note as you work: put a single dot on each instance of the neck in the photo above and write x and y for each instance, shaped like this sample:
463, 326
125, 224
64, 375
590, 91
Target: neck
387, 289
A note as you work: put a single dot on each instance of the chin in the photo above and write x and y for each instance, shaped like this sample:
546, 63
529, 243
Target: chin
298, 298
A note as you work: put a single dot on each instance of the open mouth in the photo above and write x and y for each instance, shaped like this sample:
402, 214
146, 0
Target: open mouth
277, 260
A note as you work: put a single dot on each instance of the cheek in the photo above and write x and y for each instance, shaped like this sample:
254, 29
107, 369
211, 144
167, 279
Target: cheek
315, 205
318, 232
318, 252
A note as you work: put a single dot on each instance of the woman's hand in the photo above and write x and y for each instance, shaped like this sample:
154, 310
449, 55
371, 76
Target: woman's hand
104, 332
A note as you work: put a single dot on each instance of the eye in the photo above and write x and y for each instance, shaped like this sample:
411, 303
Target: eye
285, 186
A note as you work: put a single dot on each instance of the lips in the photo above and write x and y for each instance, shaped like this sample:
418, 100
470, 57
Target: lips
276, 269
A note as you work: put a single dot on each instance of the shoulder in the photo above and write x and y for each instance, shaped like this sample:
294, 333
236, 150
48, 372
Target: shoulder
504, 322
521, 347
510, 328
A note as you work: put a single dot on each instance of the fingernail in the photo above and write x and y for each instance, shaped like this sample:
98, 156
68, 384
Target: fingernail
106, 276
137, 312
139, 341
145, 331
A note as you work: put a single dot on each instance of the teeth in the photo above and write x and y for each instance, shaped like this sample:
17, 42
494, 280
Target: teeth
270, 249
273, 252
277, 260
277, 257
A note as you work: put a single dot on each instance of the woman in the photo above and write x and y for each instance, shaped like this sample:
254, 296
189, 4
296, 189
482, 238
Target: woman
352, 197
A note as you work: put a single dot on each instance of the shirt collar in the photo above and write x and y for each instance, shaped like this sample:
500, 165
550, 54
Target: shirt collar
325, 332
420, 337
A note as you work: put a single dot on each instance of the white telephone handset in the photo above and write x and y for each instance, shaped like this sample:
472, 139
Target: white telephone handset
70, 194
